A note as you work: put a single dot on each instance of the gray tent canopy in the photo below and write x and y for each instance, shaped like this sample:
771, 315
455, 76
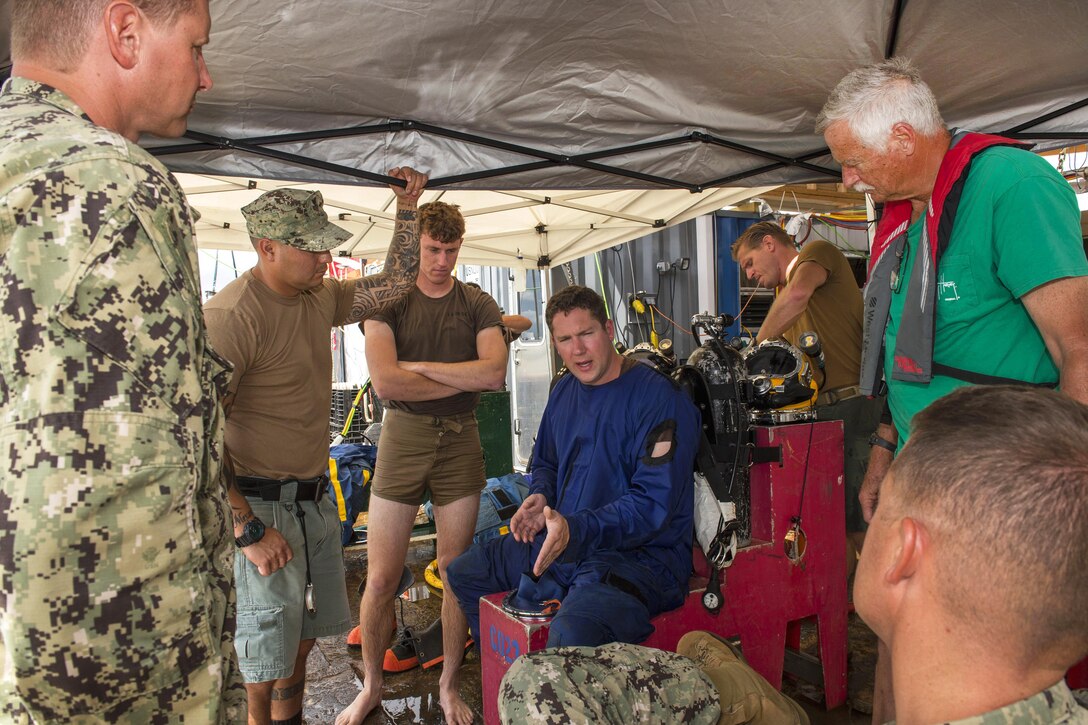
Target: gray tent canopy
551, 99
688, 94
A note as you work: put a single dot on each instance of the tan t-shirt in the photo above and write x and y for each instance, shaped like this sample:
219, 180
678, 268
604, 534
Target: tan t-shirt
440, 329
834, 313
278, 423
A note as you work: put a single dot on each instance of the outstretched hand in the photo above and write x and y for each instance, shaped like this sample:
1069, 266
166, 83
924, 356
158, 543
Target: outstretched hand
528, 520
556, 542
414, 182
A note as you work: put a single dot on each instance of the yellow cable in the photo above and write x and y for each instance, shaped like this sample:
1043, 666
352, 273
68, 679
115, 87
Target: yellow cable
351, 413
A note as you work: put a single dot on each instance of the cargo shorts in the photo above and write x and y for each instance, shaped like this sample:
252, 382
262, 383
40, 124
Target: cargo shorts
272, 615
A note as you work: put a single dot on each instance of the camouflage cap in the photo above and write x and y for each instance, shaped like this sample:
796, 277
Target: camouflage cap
295, 217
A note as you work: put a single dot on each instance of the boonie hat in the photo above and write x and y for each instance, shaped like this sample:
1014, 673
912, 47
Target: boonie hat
295, 217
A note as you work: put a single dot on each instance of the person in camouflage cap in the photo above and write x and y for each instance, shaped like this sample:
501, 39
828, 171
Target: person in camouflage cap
295, 217
273, 324
705, 681
116, 596
973, 567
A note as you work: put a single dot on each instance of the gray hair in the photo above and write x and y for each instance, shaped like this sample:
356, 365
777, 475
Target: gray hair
873, 99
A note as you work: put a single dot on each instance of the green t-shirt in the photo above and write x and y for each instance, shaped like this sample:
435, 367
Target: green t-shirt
1017, 228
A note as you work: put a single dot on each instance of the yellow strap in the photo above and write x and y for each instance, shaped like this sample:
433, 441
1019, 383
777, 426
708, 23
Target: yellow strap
341, 506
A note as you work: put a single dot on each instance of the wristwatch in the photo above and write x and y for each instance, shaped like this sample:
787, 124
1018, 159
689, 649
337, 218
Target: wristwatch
251, 533
876, 440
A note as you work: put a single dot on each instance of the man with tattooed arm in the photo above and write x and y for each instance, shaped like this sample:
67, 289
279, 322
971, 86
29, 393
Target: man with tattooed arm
273, 324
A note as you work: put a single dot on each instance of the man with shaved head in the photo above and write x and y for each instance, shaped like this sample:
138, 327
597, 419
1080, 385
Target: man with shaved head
973, 567
972, 574
116, 597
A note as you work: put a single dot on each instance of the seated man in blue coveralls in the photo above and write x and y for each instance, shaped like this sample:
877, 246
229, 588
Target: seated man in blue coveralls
607, 525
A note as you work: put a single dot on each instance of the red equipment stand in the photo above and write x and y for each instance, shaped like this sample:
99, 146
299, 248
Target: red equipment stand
1077, 676
766, 595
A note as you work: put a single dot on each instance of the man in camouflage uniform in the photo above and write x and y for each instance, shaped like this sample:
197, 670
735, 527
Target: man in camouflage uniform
973, 567
116, 598
972, 573
706, 683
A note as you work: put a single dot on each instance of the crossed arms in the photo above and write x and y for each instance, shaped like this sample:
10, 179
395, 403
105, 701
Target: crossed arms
415, 381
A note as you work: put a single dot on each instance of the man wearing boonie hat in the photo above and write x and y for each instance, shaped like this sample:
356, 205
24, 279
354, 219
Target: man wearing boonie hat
272, 324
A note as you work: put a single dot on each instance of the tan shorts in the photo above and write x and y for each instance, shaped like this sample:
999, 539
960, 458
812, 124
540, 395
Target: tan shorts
420, 453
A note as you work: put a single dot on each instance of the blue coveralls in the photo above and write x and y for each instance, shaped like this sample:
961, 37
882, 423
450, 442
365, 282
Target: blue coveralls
630, 516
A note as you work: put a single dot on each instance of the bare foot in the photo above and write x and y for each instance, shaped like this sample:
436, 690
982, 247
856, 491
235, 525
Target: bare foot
456, 710
356, 712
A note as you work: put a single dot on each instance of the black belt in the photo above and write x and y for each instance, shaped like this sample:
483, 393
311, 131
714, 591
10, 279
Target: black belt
271, 489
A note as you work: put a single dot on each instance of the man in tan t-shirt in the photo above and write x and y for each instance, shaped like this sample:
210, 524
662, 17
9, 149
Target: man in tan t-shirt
273, 325
430, 356
817, 291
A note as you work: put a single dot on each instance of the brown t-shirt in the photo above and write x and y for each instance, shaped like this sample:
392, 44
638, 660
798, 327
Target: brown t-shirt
834, 313
444, 330
278, 423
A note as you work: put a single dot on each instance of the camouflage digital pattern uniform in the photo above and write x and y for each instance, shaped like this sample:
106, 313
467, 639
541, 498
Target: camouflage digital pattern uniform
116, 592
295, 217
617, 683
1053, 706
705, 681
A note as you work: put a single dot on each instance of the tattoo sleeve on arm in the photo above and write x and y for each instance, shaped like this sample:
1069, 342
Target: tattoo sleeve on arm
401, 267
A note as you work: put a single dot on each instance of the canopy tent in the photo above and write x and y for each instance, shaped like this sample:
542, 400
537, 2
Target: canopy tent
517, 229
653, 102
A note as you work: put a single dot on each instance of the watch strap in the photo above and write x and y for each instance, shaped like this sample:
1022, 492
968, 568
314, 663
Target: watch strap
876, 440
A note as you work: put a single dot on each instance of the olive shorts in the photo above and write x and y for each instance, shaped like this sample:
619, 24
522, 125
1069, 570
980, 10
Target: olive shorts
420, 453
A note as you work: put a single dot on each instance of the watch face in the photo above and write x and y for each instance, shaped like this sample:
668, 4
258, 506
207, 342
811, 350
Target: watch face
254, 530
